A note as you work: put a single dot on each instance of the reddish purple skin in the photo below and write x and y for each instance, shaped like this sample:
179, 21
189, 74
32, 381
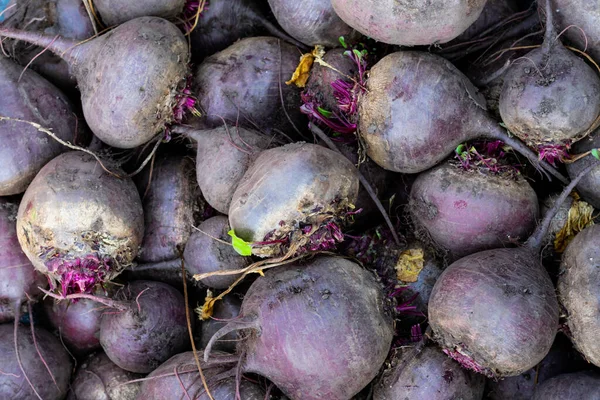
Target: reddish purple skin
170, 387
115, 12
18, 278
322, 329
428, 374
204, 254
464, 212
409, 23
139, 340
12, 381
226, 309
589, 186
24, 149
98, 378
579, 385
313, 22
579, 293
242, 83
169, 203
493, 12
495, 311
78, 323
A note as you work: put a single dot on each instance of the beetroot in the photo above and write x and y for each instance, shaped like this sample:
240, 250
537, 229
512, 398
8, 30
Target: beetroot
494, 12
550, 96
78, 224
77, 323
409, 23
418, 108
321, 188
204, 253
589, 187
178, 378
320, 330
427, 374
45, 371
18, 279
223, 311
496, 311
170, 198
242, 84
100, 378
312, 22
579, 385
578, 291
130, 78
466, 211
24, 149
224, 154
149, 329
115, 12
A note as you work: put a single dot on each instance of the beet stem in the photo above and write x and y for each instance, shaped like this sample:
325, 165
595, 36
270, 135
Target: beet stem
119, 305
59, 46
536, 240
249, 323
37, 349
15, 333
549, 34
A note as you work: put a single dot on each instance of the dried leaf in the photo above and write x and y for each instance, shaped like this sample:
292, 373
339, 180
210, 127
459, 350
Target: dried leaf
302, 72
581, 215
206, 311
410, 264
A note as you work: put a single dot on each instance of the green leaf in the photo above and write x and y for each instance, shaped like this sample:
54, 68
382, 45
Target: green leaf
324, 112
460, 149
343, 42
242, 247
357, 53
596, 154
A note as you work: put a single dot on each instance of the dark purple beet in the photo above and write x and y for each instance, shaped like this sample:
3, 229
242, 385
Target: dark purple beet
13, 382
205, 254
496, 311
99, 378
178, 379
24, 149
18, 279
494, 12
169, 201
579, 293
317, 331
131, 78
589, 187
578, 385
150, 329
427, 373
225, 310
243, 82
467, 211
115, 12
77, 323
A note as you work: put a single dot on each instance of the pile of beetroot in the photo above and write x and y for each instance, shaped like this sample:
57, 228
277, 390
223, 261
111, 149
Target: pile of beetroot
322, 199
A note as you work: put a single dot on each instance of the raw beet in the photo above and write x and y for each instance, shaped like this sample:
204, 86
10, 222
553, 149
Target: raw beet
579, 385
131, 78
79, 225
168, 272
494, 12
13, 382
225, 310
578, 291
223, 156
99, 378
242, 84
321, 186
149, 330
317, 331
418, 108
77, 323
409, 23
115, 12
589, 187
427, 373
550, 96
226, 21
467, 211
496, 311
170, 199
178, 379
312, 22
24, 149
18, 279
203, 253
